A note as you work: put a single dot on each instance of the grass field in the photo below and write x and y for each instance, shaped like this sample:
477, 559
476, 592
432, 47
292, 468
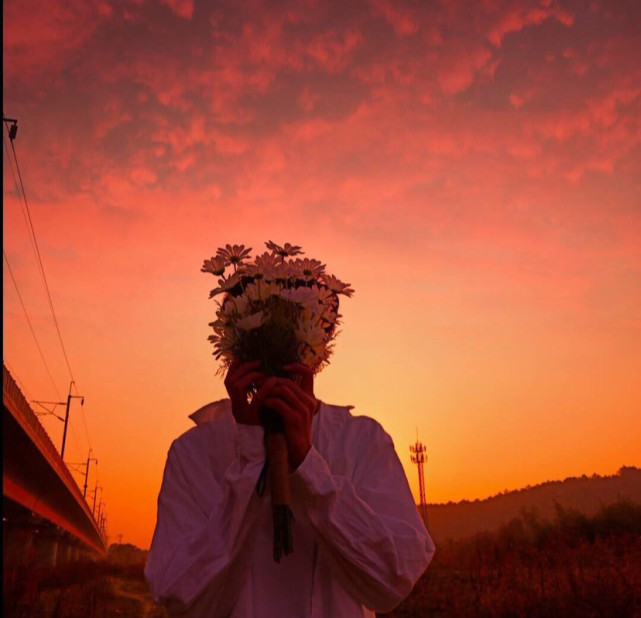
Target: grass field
81, 590
573, 567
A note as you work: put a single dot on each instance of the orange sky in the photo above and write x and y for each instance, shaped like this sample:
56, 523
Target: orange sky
474, 173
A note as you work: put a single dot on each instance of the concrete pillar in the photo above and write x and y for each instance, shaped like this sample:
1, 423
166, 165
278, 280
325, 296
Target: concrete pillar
64, 552
18, 544
46, 545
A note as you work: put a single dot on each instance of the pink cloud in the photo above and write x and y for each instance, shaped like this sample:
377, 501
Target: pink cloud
517, 17
460, 67
264, 43
31, 21
516, 100
142, 177
182, 8
217, 110
333, 50
400, 18
308, 99
599, 113
113, 116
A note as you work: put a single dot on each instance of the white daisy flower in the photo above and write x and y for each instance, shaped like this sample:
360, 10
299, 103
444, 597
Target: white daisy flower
230, 283
284, 251
267, 264
252, 292
236, 305
250, 322
325, 296
307, 269
336, 285
215, 266
233, 254
311, 334
301, 296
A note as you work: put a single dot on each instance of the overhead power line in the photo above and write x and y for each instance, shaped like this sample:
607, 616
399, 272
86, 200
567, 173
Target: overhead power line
22, 207
12, 127
26, 315
39, 257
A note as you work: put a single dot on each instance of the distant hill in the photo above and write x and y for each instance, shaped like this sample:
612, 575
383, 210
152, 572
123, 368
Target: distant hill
456, 520
126, 554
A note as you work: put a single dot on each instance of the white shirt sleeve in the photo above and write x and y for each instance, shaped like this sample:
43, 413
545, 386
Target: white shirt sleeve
199, 555
368, 525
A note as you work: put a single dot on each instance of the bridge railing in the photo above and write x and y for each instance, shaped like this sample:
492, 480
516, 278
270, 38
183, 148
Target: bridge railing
12, 392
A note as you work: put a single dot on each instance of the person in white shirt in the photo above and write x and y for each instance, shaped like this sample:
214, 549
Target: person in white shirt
360, 544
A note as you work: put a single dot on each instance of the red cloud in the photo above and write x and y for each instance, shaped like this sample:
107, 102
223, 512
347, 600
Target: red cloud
517, 17
183, 8
40, 35
400, 18
461, 66
333, 50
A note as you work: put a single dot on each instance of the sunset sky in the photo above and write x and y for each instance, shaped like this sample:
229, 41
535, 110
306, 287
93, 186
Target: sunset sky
473, 169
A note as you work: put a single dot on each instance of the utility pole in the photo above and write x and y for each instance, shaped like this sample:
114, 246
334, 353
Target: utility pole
95, 493
66, 418
99, 509
89, 458
64, 434
103, 526
419, 457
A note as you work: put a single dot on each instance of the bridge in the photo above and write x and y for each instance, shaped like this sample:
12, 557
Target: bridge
46, 518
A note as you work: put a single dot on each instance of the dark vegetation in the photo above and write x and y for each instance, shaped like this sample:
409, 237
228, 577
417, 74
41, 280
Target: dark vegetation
570, 566
78, 590
587, 494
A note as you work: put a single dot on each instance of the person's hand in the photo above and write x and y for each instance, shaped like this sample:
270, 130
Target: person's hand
302, 375
296, 406
239, 378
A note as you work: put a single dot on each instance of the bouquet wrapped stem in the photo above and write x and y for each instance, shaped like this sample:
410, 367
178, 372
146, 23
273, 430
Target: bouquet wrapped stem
278, 474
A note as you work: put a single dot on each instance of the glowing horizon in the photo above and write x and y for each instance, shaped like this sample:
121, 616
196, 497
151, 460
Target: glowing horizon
474, 173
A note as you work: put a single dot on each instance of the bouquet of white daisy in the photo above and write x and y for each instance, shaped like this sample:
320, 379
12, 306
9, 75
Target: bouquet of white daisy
277, 309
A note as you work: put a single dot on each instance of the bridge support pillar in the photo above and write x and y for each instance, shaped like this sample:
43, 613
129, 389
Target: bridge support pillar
18, 544
64, 552
47, 549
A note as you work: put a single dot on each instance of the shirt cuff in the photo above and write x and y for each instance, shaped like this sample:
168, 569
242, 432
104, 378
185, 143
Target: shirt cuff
313, 477
249, 439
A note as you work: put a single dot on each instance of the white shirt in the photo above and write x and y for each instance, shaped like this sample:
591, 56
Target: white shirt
359, 543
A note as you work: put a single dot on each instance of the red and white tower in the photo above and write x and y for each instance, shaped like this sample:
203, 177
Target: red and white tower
419, 457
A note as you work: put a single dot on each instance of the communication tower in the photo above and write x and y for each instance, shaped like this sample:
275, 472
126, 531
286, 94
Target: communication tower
419, 457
